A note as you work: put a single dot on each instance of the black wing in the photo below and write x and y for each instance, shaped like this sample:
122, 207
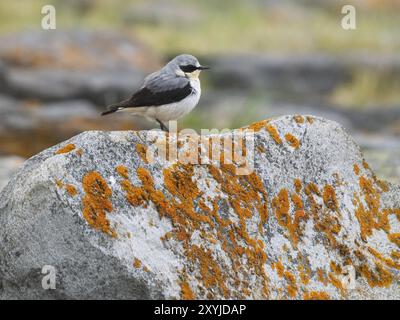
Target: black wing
146, 97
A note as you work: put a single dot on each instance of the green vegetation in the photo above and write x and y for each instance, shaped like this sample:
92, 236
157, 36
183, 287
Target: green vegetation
369, 89
206, 27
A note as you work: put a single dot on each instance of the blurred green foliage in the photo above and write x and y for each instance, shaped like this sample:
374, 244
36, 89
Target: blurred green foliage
206, 27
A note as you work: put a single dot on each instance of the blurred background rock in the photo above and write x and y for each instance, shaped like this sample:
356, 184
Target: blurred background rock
268, 58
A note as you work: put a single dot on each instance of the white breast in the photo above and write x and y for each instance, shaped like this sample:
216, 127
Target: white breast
174, 111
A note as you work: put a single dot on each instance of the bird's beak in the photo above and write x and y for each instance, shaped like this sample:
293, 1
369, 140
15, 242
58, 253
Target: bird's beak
203, 68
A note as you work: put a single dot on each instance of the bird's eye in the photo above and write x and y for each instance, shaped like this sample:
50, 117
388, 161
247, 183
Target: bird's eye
188, 68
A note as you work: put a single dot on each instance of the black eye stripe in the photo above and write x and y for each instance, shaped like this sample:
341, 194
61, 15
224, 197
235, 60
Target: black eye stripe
188, 68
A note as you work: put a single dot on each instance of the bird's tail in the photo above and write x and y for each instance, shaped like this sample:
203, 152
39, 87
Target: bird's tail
116, 107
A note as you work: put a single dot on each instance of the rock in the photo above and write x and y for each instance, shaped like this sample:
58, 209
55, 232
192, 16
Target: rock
311, 221
100, 66
300, 79
8, 166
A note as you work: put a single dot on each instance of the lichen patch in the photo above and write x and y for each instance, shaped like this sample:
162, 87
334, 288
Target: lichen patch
96, 202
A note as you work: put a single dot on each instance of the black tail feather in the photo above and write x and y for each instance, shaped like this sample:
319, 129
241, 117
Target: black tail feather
116, 107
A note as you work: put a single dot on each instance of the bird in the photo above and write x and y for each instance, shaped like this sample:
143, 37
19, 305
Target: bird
167, 94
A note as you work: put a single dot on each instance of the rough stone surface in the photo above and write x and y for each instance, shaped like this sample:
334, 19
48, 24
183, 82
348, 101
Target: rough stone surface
117, 226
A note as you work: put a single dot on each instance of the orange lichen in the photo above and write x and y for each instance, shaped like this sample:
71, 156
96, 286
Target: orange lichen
297, 185
278, 267
365, 165
312, 188
356, 169
329, 197
370, 217
292, 286
395, 238
389, 262
71, 190
186, 291
316, 295
298, 203
211, 273
304, 273
292, 140
310, 120
383, 185
137, 263
336, 283
67, 148
298, 119
395, 255
274, 133
122, 171
281, 205
257, 126
96, 202
261, 149
142, 151
245, 194
380, 277
336, 269
321, 276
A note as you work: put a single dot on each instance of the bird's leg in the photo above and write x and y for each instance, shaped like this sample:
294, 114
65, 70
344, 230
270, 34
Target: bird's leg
162, 126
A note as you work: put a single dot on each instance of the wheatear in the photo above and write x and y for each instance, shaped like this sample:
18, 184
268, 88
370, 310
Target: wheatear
167, 94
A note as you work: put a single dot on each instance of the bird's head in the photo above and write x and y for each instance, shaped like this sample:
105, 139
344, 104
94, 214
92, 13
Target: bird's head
186, 65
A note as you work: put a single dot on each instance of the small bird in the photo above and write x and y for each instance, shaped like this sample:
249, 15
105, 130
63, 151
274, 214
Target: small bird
167, 94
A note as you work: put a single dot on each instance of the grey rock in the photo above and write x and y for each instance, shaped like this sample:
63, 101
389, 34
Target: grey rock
303, 78
100, 66
115, 223
8, 166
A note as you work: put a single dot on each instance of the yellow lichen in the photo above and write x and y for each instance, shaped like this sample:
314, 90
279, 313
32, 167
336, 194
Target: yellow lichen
59, 183
186, 291
370, 217
310, 120
395, 238
137, 263
274, 133
316, 295
292, 140
71, 190
297, 185
257, 126
329, 197
281, 205
96, 202
380, 277
122, 171
142, 151
67, 148
365, 165
292, 286
298, 119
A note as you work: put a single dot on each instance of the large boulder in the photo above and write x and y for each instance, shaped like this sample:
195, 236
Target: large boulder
308, 219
